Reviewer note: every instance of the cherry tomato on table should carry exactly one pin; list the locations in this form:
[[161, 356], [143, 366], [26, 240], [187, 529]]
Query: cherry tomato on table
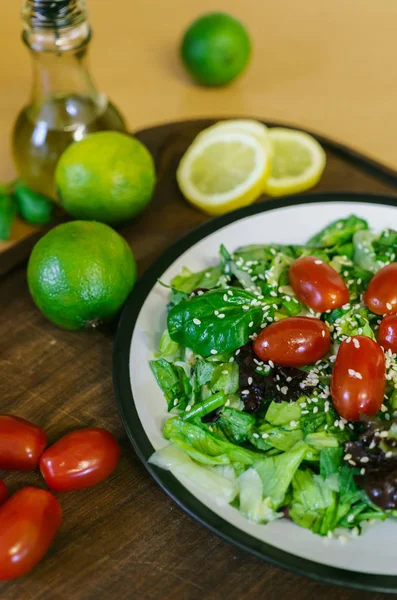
[[381, 294], [3, 492], [293, 342], [29, 521], [358, 378], [387, 334], [317, 284], [80, 460], [21, 444]]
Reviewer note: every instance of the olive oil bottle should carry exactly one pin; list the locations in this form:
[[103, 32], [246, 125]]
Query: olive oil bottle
[[65, 105]]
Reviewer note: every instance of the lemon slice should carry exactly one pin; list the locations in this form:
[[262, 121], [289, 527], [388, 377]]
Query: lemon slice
[[250, 127], [297, 164], [223, 171]]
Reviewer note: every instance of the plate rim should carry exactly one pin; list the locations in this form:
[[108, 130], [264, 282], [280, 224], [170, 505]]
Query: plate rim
[[143, 447]]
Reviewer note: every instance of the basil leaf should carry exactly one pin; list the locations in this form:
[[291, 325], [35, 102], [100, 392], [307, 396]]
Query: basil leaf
[[216, 321]]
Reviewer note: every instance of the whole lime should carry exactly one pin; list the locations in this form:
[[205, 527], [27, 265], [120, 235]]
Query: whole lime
[[80, 274], [107, 177], [215, 49]]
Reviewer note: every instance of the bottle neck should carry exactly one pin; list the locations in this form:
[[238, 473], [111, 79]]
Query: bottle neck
[[58, 34]]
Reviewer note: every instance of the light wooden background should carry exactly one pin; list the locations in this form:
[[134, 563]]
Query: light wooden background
[[329, 65]]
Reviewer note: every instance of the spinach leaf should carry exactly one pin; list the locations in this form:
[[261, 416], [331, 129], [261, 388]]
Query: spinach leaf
[[215, 322], [338, 232], [187, 281]]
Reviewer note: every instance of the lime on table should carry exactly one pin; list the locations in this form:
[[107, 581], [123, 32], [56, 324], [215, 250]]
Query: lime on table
[[107, 177], [223, 171], [215, 49], [298, 162], [80, 274]]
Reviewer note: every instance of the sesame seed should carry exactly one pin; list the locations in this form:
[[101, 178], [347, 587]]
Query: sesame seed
[[358, 281], [345, 273], [245, 392], [263, 325], [389, 306], [318, 262], [336, 423], [230, 292], [383, 408], [356, 343], [364, 459], [323, 333], [213, 351], [208, 274], [176, 401], [351, 462], [245, 307], [231, 359], [350, 518], [225, 297], [251, 324], [274, 294], [255, 435], [250, 380], [383, 434], [265, 435], [305, 412], [237, 352], [271, 364], [293, 424], [200, 293], [351, 425], [348, 340], [221, 316], [225, 372], [315, 409], [196, 321], [389, 454], [347, 457], [188, 408], [341, 425], [284, 390], [362, 471]]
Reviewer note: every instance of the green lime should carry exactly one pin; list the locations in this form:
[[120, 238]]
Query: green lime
[[80, 274], [107, 177], [215, 49]]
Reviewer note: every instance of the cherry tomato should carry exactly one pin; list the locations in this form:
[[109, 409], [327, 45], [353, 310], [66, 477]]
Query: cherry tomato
[[80, 460], [293, 342], [359, 378], [381, 294], [3, 492], [317, 284], [21, 444], [387, 334], [29, 521]]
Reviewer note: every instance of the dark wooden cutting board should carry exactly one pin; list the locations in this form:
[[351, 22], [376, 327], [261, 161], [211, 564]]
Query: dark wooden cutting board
[[126, 539]]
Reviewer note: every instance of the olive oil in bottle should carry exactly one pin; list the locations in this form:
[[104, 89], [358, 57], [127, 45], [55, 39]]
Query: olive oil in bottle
[[65, 105]]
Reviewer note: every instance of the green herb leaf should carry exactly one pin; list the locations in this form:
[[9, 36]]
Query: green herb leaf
[[216, 321]]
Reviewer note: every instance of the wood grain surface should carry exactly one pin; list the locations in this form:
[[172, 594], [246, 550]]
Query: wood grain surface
[[125, 538]]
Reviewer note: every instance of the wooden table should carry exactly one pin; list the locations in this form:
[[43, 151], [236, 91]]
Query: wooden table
[[325, 65]]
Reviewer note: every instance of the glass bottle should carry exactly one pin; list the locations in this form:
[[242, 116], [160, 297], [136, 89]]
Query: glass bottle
[[65, 105]]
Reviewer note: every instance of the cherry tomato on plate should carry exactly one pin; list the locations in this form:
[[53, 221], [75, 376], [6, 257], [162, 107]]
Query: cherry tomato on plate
[[317, 284], [3, 492], [381, 294], [80, 460], [387, 334], [358, 378], [293, 342], [21, 444], [29, 522]]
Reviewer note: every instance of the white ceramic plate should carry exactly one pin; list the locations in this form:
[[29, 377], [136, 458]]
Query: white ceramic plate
[[368, 561]]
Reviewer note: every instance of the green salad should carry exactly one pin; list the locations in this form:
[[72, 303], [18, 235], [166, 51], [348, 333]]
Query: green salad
[[266, 437]]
